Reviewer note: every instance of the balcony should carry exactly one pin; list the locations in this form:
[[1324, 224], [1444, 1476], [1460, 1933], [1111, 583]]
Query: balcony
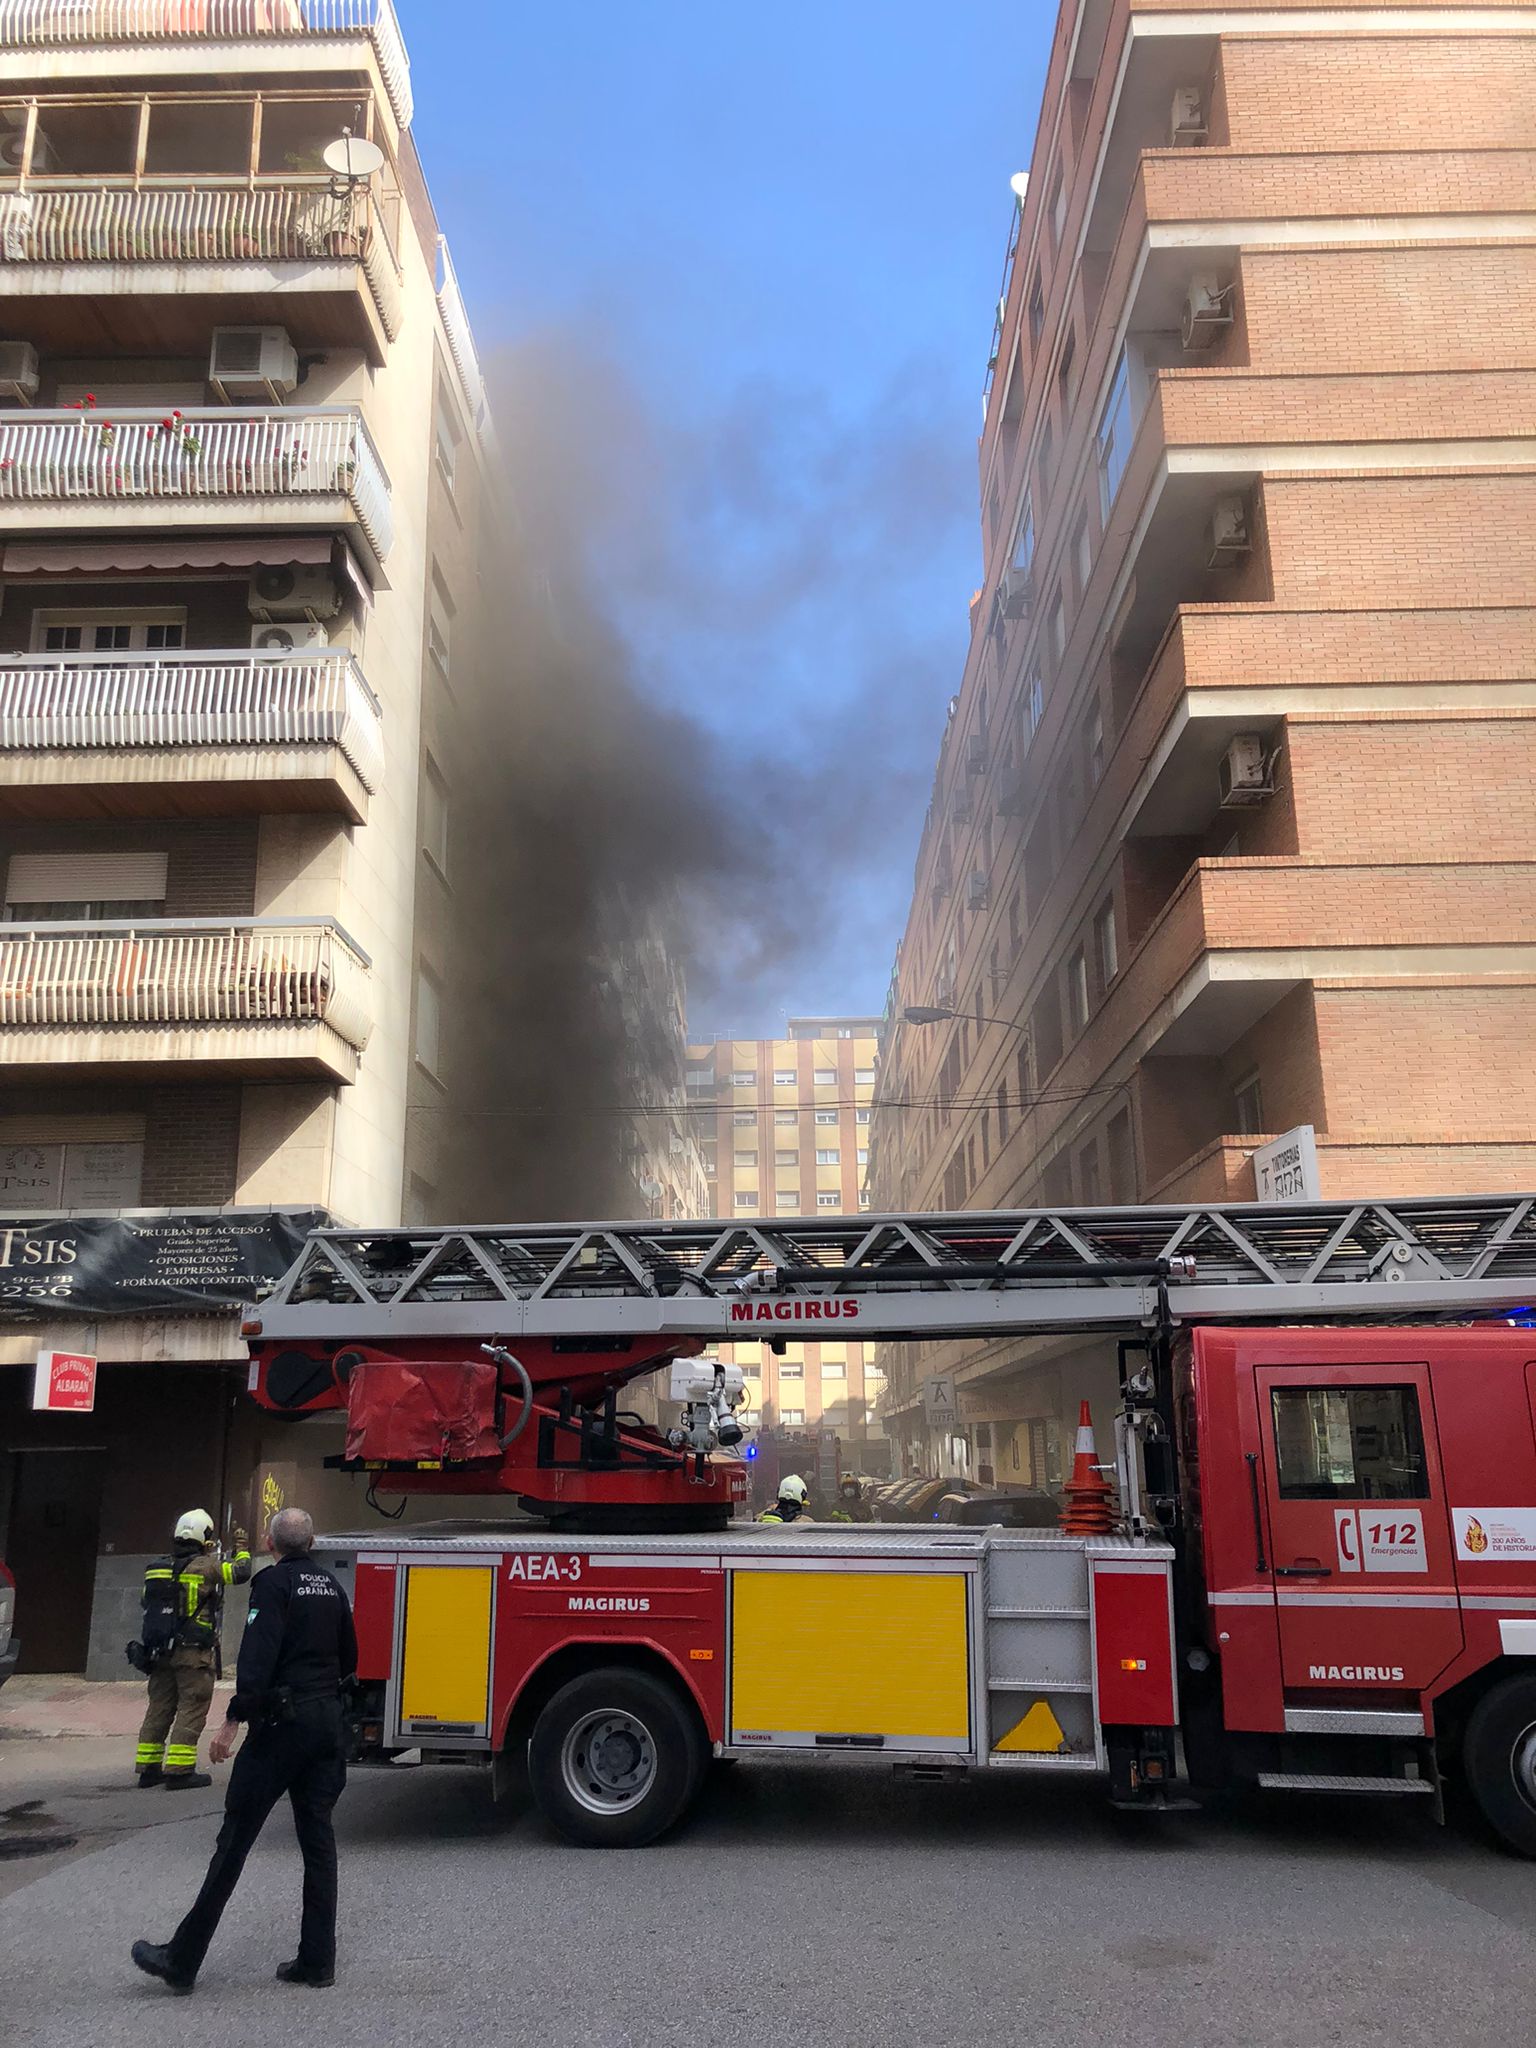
[[177, 36], [173, 241], [68, 471], [179, 735], [250, 997]]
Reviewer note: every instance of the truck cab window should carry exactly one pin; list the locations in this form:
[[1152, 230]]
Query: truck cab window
[[1349, 1443]]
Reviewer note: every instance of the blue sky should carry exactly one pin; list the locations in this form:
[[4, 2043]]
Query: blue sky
[[742, 265]]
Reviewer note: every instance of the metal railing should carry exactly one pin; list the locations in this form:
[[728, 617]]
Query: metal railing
[[210, 698], [292, 222], [30, 23], [225, 452], [170, 971], [461, 341]]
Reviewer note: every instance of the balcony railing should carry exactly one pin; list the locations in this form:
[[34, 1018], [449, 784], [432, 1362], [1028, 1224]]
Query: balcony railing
[[26, 23], [168, 972], [137, 454], [212, 698], [461, 342], [292, 222]]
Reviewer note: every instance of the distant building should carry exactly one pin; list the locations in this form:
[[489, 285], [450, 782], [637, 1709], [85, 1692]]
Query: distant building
[[1232, 824], [784, 1128]]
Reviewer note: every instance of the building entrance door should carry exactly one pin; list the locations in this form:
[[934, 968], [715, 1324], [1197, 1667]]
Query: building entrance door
[[51, 1551]]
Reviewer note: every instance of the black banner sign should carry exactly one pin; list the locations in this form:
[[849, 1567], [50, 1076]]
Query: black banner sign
[[199, 1263]]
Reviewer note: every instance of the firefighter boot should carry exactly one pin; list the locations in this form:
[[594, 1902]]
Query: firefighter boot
[[184, 1781], [150, 1775], [155, 1961], [304, 1973]]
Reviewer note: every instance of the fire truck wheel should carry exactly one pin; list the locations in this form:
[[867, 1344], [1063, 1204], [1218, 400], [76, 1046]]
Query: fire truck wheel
[[1499, 1752], [615, 1758]]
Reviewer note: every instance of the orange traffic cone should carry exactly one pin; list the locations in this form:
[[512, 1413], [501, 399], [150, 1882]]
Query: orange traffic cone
[[1090, 1503]]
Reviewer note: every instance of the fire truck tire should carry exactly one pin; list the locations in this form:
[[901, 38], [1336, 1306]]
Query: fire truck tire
[[616, 1757], [1499, 1754]]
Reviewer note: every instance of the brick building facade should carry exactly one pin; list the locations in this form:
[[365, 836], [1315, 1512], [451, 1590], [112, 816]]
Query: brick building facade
[[1232, 824]]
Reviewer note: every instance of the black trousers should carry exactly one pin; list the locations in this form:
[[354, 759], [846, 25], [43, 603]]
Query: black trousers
[[304, 1758]]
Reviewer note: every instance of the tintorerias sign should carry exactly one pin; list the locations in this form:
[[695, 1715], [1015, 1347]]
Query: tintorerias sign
[[123, 1265]]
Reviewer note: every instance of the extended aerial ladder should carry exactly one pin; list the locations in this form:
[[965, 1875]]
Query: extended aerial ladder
[[490, 1358]]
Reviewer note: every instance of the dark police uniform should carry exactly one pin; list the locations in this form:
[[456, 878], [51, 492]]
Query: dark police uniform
[[298, 1646]]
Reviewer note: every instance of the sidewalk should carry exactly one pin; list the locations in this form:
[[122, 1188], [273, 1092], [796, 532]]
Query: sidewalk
[[42, 1704]]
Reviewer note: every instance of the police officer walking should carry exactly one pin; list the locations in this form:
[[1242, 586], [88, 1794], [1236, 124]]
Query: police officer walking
[[298, 1647], [183, 1604]]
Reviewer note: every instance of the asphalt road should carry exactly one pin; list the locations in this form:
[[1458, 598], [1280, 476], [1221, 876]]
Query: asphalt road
[[802, 1905]]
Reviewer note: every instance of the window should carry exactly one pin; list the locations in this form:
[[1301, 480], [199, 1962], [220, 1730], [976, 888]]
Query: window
[[1044, 459], [831, 1157], [746, 1158], [825, 1077], [864, 1077], [787, 1199], [1066, 372], [1022, 1068], [434, 817], [791, 1369], [1113, 442], [447, 442], [843, 1031], [1082, 555], [1248, 1095], [864, 1198], [1355, 1443], [1057, 630], [1036, 703], [1024, 540], [753, 1368], [789, 1158], [861, 1116], [827, 1201], [1104, 944], [1002, 1113], [826, 1116], [40, 887], [1058, 210], [785, 1118], [439, 627], [429, 1021], [746, 1198], [1093, 747], [1090, 1189], [792, 1415], [1077, 988], [834, 1368], [742, 1118], [743, 1077], [783, 1077], [1036, 311], [97, 632], [863, 1156]]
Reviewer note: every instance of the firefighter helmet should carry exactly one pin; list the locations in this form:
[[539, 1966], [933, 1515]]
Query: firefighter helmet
[[195, 1526], [792, 1487]]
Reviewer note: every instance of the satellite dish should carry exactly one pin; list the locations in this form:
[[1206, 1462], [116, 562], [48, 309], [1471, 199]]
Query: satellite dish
[[1018, 184], [352, 156]]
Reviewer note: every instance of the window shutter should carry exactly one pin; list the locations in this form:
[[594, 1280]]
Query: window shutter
[[86, 878]]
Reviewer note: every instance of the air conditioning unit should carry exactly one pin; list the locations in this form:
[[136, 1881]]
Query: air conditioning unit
[[298, 591], [1186, 123], [1229, 531], [18, 371], [1246, 772], [293, 638], [1207, 310], [13, 147], [941, 885], [976, 753], [978, 891], [1015, 592], [252, 363]]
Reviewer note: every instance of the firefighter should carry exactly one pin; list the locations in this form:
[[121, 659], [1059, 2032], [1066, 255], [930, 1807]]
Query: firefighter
[[793, 1503], [854, 1507], [183, 1610], [298, 1649]]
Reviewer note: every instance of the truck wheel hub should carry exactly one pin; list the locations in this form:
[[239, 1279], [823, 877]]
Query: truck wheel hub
[[608, 1761]]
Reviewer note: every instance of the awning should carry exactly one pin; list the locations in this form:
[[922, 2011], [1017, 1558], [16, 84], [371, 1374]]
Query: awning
[[127, 558]]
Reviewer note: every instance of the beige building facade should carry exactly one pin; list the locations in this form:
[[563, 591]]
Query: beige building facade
[[245, 496], [1232, 825], [784, 1126]]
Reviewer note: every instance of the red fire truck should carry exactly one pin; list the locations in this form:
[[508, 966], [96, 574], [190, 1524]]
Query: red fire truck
[[1319, 1575]]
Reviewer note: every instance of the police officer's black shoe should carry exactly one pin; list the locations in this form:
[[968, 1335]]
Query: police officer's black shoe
[[186, 1781], [304, 1973], [150, 1775], [155, 1961]]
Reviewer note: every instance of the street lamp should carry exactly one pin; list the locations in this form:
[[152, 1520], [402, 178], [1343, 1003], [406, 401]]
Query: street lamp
[[933, 1013]]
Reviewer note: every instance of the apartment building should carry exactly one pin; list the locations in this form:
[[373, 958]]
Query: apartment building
[[244, 496], [1232, 823], [783, 1126]]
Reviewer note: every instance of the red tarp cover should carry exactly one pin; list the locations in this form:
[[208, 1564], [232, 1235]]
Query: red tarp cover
[[397, 1409]]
